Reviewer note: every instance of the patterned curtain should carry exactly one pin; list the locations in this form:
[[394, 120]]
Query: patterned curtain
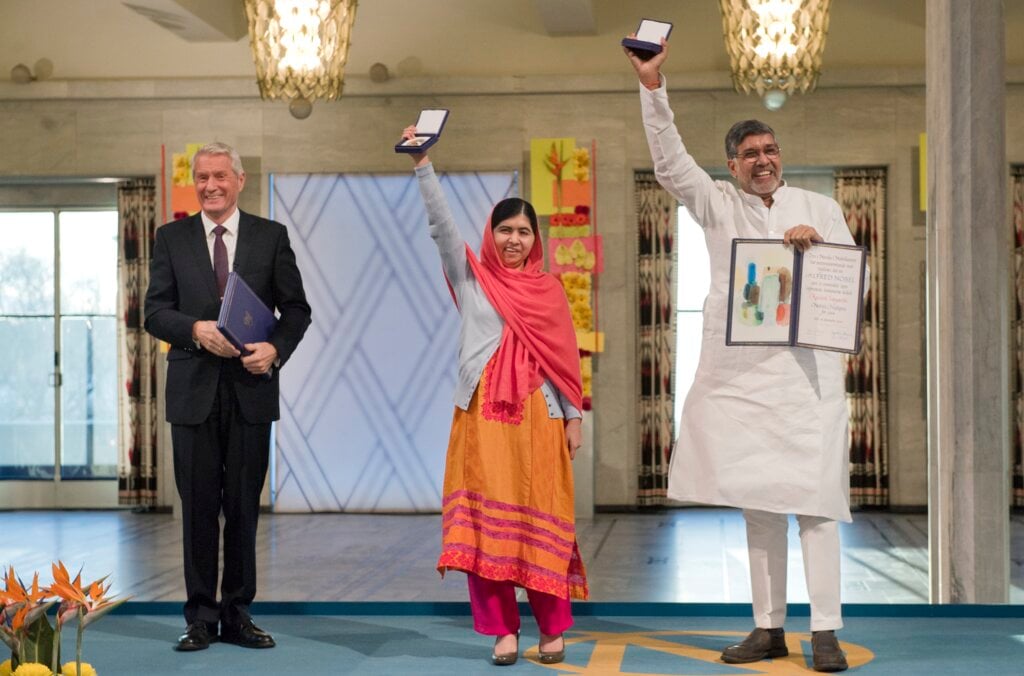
[[1017, 378], [656, 339], [861, 194], [138, 352]]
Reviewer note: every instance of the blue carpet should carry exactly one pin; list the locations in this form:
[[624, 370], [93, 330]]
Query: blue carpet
[[896, 641]]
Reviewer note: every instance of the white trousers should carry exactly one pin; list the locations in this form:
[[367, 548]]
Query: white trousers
[[767, 548]]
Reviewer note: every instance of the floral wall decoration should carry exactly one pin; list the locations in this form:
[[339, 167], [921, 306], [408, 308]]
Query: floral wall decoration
[[562, 188], [183, 193]]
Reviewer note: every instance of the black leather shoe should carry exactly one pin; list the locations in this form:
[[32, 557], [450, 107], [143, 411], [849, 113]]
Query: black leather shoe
[[826, 653], [196, 637], [759, 644], [247, 635]]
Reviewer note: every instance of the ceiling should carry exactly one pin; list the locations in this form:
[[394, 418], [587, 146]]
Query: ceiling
[[108, 39]]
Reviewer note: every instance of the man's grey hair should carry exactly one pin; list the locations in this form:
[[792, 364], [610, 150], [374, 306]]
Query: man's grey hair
[[742, 130], [218, 148]]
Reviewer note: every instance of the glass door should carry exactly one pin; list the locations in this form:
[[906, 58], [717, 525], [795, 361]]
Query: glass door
[[58, 395], [27, 312]]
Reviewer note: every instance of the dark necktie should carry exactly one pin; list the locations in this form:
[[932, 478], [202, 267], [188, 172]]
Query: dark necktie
[[220, 259]]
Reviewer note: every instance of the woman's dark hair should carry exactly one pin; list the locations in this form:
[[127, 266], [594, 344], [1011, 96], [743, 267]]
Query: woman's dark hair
[[513, 206]]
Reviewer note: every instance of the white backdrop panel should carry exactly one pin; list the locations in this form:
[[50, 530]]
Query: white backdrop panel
[[366, 399]]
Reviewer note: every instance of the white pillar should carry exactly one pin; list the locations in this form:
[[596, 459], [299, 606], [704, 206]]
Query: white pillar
[[968, 303], [583, 470]]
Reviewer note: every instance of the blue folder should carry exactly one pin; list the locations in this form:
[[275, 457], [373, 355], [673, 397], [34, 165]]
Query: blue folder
[[243, 316]]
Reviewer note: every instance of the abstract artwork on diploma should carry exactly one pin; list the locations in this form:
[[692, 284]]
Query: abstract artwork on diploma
[[779, 296]]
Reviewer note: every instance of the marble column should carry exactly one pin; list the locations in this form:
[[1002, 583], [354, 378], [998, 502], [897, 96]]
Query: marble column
[[968, 303]]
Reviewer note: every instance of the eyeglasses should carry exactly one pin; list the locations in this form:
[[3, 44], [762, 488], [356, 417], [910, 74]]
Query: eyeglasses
[[771, 152]]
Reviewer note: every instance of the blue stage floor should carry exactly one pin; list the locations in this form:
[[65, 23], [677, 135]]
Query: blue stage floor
[[424, 639]]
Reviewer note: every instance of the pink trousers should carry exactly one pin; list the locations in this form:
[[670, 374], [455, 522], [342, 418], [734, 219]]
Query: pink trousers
[[496, 613]]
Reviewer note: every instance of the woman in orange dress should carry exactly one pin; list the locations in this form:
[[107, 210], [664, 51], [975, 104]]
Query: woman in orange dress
[[508, 514]]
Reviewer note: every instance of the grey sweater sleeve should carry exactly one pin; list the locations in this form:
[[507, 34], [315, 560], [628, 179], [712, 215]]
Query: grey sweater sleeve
[[443, 230]]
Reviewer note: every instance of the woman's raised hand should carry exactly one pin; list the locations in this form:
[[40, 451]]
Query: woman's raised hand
[[418, 159]]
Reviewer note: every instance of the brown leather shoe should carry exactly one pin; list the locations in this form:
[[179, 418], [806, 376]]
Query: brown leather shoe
[[826, 653], [759, 644]]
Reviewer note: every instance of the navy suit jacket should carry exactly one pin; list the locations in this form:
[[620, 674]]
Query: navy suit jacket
[[183, 290]]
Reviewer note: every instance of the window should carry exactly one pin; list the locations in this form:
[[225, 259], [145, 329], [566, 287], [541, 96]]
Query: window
[[693, 278], [58, 299]]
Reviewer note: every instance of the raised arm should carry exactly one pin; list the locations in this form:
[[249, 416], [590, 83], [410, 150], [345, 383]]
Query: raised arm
[[674, 168], [443, 229]]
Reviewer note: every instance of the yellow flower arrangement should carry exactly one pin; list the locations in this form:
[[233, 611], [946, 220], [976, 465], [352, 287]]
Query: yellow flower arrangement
[[578, 289], [69, 670], [578, 297], [569, 231], [581, 164], [563, 256], [582, 317], [5, 668], [32, 669], [587, 373], [576, 255], [181, 169], [576, 281]]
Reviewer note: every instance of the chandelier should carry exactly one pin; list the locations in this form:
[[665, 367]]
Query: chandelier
[[300, 48], [775, 46]]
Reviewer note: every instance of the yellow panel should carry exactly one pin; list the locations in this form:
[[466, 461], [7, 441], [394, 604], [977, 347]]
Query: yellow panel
[[548, 155], [591, 341], [922, 172]]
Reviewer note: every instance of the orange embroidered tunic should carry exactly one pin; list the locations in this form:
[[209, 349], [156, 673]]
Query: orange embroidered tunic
[[508, 511]]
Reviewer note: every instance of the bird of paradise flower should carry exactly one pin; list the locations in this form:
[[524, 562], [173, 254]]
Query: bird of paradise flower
[[20, 609], [555, 162], [84, 603]]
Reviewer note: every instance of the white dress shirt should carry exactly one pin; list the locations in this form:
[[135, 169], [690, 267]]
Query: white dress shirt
[[230, 237]]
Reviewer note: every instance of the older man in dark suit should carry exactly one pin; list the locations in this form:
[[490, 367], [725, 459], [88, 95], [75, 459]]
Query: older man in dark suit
[[220, 403]]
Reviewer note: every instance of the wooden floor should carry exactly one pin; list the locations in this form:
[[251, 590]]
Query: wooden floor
[[686, 555]]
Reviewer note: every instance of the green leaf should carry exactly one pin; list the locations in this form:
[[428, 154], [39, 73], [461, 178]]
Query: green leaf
[[38, 644]]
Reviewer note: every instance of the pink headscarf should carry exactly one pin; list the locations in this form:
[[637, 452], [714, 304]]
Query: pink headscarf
[[539, 340]]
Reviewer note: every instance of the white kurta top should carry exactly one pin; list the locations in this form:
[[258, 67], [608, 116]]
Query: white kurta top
[[762, 427]]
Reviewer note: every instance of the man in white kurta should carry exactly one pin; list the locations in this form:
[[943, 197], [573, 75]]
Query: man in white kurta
[[763, 428]]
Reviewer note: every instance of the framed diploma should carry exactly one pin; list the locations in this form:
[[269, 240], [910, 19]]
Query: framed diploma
[[781, 296], [428, 130], [647, 42]]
